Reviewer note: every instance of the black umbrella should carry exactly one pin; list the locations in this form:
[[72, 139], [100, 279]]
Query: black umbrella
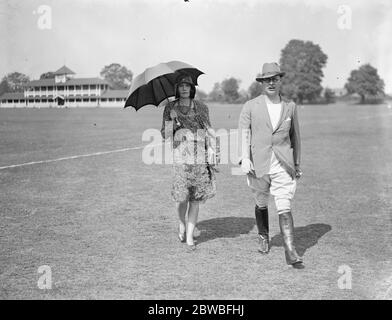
[[156, 84]]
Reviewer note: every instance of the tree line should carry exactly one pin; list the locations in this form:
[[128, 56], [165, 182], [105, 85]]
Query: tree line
[[302, 61]]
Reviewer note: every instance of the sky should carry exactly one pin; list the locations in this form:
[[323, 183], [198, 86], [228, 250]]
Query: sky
[[223, 38]]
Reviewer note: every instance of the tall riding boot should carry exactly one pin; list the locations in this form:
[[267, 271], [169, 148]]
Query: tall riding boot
[[263, 228], [286, 224]]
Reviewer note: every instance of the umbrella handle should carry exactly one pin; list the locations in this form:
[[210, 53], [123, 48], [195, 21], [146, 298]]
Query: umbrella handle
[[173, 116]]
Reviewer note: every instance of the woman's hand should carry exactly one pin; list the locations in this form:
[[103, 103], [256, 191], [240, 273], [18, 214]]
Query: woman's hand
[[211, 132], [173, 114], [174, 117]]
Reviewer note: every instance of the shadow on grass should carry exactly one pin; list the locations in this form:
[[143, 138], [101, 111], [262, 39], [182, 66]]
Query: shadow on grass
[[228, 227], [304, 237], [231, 227]]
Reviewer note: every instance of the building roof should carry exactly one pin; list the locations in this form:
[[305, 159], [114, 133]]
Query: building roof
[[40, 83], [81, 81], [69, 82], [115, 94], [12, 96], [63, 70]]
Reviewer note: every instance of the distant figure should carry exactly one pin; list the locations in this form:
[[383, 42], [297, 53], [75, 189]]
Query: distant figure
[[186, 121], [270, 156]]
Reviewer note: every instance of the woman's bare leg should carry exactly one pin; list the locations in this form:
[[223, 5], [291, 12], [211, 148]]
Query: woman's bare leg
[[193, 213], [181, 208]]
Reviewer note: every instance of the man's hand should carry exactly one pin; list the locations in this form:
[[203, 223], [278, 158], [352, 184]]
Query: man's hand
[[298, 172], [246, 165]]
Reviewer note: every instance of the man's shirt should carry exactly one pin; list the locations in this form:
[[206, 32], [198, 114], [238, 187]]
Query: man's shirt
[[274, 110]]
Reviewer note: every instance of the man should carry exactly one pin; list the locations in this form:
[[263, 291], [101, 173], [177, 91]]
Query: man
[[271, 148]]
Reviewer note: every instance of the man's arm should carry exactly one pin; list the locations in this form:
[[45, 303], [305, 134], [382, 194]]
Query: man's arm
[[244, 126], [295, 138]]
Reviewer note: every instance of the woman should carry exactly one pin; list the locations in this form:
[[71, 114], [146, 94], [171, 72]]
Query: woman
[[187, 122]]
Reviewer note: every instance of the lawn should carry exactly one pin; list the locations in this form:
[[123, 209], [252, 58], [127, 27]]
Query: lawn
[[106, 226]]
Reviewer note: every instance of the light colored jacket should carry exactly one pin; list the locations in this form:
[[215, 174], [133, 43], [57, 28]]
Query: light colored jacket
[[261, 139]]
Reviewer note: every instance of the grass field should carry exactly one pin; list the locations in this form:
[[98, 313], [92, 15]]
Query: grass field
[[106, 226]]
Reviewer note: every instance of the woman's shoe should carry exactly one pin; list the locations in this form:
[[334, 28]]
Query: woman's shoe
[[182, 237], [191, 247]]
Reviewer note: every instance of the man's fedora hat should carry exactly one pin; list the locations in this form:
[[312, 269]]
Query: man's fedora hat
[[270, 70]]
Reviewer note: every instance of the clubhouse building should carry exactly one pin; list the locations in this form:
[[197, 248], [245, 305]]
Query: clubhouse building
[[64, 90]]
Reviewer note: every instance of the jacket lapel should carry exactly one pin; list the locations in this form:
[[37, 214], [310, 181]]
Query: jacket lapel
[[283, 113]]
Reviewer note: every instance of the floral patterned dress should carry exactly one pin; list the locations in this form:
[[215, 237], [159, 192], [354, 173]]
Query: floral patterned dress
[[193, 178]]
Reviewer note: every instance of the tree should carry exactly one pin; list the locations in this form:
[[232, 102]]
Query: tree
[[230, 89], [4, 87], [118, 76], [329, 96], [303, 63], [242, 96], [216, 95], [16, 81], [47, 75], [255, 89], [201, 95], [365, 81]]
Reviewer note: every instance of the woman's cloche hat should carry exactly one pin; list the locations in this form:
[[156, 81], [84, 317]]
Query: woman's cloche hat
[[184, 78]]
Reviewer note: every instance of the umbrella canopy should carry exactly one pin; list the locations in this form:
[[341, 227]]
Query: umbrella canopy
[[156, 84]]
